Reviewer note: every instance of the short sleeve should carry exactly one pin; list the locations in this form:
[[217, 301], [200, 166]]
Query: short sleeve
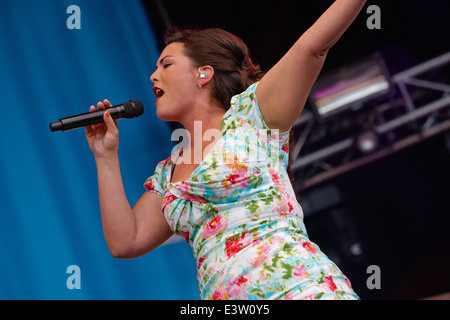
[[244, 119], [245, 106], [157, 183]]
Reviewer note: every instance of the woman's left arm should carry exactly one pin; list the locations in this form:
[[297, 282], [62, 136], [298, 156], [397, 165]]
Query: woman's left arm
[[283, 91]]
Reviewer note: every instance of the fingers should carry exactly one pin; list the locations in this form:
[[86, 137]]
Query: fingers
[[101, 105], [109, 122], [106, 103], [89, 129]]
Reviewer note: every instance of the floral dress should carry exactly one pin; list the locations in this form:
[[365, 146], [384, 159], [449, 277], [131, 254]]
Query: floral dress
[[239, 213]]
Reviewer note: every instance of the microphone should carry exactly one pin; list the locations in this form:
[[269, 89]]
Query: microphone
[[130, 109]]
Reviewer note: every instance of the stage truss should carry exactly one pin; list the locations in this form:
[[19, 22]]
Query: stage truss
[[417, 108]]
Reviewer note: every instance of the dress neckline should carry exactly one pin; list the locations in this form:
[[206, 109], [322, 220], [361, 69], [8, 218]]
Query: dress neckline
[[193, 173]]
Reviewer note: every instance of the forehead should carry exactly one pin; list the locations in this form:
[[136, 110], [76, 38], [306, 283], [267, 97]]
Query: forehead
[[173, 49]]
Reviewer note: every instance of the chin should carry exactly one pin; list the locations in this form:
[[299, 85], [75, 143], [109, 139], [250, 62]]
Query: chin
[[166, 116]]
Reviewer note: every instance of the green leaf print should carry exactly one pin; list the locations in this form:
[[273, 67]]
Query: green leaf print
[[210, 208], [275, 260], [258, 292], [319, 295], [255, 180], [214, 163], [252, 206], [267, 267], [266, 198], [207, 178], [288, 270], [320, 280], [287, 248]]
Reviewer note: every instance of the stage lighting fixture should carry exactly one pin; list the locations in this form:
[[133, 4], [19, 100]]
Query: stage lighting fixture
[[350, 86], [367, 141]]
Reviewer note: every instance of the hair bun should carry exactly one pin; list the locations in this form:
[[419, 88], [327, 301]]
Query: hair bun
[[250, 72]]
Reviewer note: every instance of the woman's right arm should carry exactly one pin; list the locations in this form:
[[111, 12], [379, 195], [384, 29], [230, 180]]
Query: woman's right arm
[[129, 232]]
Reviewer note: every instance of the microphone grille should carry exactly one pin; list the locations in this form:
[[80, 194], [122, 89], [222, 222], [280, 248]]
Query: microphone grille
[[133, 108]]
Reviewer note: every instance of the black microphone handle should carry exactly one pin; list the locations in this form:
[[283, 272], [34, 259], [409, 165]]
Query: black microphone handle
[[87, 119]]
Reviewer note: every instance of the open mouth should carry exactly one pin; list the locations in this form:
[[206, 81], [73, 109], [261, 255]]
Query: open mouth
[[158, 92]]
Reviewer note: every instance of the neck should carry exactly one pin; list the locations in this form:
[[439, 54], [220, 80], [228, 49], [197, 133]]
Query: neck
[[203, 128]]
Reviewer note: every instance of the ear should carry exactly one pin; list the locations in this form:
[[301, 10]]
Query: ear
[[205, 74]]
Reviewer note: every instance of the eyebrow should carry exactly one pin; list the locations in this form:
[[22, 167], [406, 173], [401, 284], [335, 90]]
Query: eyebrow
[[162, 60]]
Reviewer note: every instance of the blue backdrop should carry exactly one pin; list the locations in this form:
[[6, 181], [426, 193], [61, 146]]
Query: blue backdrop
[[49, 217]]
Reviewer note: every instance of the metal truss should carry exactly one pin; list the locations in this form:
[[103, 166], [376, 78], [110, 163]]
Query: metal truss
[[417, 108]]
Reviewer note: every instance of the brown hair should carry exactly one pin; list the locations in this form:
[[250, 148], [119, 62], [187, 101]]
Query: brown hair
[[234, 70]]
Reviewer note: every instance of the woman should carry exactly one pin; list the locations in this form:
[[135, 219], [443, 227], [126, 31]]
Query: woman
[[234, 203]]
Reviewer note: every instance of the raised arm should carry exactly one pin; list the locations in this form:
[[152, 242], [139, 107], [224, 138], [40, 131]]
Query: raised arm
[[283, 91]]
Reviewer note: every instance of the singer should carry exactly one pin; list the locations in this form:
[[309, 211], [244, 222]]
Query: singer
[[238, 211]]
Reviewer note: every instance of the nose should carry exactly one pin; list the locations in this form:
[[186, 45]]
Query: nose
[[153, 77]]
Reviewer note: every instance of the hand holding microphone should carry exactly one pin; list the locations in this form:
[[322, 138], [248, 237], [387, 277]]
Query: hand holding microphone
[[129, 109], [101, 124]]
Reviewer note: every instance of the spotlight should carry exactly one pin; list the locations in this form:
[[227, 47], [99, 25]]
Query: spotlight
[[367, 141], [350, 86]]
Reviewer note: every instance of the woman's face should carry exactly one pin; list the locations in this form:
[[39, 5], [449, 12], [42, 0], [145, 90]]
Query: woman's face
[[175, 83]]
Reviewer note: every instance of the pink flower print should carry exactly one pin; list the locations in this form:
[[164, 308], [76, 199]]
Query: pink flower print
[[347, 282], [237, 178], [241, 281], [167, 161], [234, 245], [184, 186], [290, 206], [200, 261], [230, 180], [237, 175], [235, 289], [285, 148], [220, 293], [329, 283], [300, 273], [276, 179], [185, 235], [149, 185], [214, 226], [284, 206], [191, 197], [309, 247], [289, 296], [282, 209], [276, 239], [168, 198]]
